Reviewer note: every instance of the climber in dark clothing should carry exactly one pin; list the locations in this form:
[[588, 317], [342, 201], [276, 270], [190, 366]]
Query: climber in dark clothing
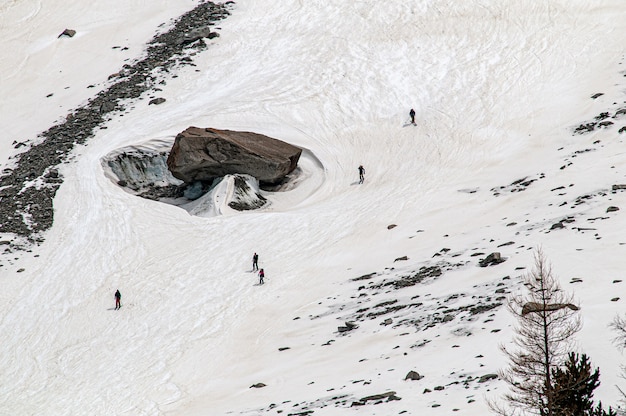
[[255, 262], [261, 276], [412, 114], [361, 174], [118, 299]]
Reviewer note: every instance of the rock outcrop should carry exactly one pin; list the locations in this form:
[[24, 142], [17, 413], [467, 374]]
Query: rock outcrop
[[202, 154]]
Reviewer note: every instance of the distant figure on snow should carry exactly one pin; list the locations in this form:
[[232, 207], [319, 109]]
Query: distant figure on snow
[[261, 276], [118, 300], [255, 262], [412, 114], [361, 174]]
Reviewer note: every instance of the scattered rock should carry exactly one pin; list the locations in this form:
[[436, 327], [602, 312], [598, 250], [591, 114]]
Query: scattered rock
[[403, 258], [557, 226], [487, 377], [349, 326], [612, 300], [596, 95], [413, 375], [378, 398], [491, 260], [257, 385], [67, 32], [612, 209], [618, 187], [156, 101], [391, 226]]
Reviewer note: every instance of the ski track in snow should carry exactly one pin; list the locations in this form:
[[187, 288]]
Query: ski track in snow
[[496, 87]]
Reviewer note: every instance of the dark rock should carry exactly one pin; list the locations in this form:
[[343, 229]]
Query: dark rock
[[391, 226], [487, 377], [413, 375], [557, 226], [491, 260], [257, 385], [378, 398], [403, 258], [612, 209], [204, 154], [106, 107], [157, 101], [349, 326], [622, 130], [618, 187], [594, 96], [67, 32], [194, 35]]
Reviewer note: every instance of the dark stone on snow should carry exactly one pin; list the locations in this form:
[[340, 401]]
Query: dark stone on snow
[[413, 375], [156, 101], [258, 385], [612, 209], [487, 377], [491, 260], [349, 326], [377, 398], [67, 32]]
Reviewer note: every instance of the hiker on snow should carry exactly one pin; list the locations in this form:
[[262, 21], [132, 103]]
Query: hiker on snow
[[118, 300], [361, 174], [412, 114], [255, 262], [261, 276]]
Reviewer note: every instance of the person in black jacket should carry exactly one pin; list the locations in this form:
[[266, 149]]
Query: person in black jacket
[[118, 300], [412, 114], [255, 262], [261, 276], [361, 174]]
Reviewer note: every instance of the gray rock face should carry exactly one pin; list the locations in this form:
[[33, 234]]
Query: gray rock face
[[202, 154]]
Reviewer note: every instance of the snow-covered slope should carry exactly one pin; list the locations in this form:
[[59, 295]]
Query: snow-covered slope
[[492, 165]]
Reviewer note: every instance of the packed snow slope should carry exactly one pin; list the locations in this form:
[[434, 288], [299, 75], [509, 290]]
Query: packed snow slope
[[498, 88]]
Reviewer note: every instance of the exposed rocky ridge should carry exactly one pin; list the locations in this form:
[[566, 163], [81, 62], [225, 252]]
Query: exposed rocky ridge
[[27, 191]]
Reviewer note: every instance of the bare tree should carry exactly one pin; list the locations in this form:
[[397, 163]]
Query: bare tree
[[547, 320], [619, 326]]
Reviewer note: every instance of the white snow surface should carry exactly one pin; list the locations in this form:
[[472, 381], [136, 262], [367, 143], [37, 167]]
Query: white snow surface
[[498, 88]]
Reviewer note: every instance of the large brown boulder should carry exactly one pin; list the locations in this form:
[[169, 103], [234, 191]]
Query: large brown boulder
[[204, 154]]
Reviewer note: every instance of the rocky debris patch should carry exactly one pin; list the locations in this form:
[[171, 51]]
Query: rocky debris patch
[[202, 154], [516, 186], [26, 194], [377, 399]]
